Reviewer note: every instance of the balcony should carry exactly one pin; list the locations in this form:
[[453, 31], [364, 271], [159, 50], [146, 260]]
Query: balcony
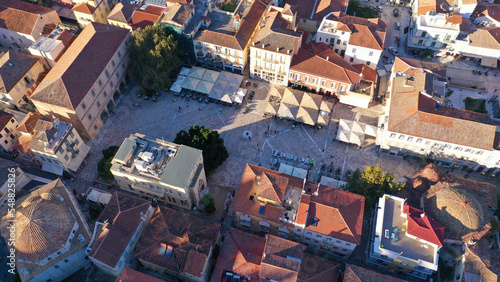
[[269, 60]]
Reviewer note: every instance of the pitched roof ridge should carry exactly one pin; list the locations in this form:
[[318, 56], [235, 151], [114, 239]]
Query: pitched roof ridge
[[167, 231]]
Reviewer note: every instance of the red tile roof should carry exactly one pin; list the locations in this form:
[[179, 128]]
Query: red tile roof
[[192, 238], [317, 9], [455, 18], [368, 73], [27, 125], [5, 118], [84, 8], [131, 275], [123, 216], [354, 273], [13, 68], [122, 12], [63, 85], [485, 9], [241, 253], [413, 66], [319, 60], [369, 33], [315, 268], [416, 114], [277, 264], [338, 214], [20, 16], [423, 227], [22, 144], [146, 17], [241, 39]]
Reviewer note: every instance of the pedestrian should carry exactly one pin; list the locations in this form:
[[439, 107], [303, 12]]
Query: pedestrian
[[139, 106], [331, 163], [495, 91], [268, 128], [187, 105], [323, 150]]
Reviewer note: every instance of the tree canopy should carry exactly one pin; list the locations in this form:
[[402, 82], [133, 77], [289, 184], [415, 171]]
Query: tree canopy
[[372, 183], [104, 165], [45, 3], [154, 54], [207, 140], [354, 8]]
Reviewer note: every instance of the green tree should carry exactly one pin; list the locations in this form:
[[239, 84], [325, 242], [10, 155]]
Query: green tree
[[45, 3], [209, 203], [207, 140], [372, 183], [104, 165], [427, 53], [154, 54]]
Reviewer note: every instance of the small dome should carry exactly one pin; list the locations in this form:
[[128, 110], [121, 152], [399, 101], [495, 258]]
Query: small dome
[[44, 220], [458, 209]]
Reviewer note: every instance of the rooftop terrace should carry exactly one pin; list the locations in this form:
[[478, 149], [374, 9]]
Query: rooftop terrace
[[228, 23], [390, 218]]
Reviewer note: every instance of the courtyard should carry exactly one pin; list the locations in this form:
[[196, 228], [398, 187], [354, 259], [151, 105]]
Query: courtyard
[[303, 146]]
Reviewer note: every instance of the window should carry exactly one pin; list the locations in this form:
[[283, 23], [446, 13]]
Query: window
[[371, 54], [342, 88], [66, 158], [338, 241], [112, 63], [117, 75], [100, 82], [90, 117], [419, 140], [338, 42], [291, 75], [314, 80], [348, 244], [351, 59], [328, 240], [401, 137], [393, 135], [11, 121], [467, 150], [4, 36], [318, 236], [180, 194], [12, 137], [436, 37], [98, 104], [447, 38], [123, 66], [345, 42], [56, 266], [111, 83], [71, 134], [368, 63], [323, 83], [306, 79], [404, 263], [105, 94], [297, 77], [6, 130], [424, 33], [333, 85], [66, 260], [308, 233], [93, 93], [125, 254], [353, 50], [107, 73], [6, 141], [119, 54], [410, 139], [320, 39]]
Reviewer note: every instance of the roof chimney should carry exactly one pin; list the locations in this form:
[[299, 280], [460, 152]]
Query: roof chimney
[[316, 193], [263, 45], [422, 215], [327, 58], [277, 49]]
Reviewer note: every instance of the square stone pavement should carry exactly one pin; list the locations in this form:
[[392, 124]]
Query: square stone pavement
[[164, 120]]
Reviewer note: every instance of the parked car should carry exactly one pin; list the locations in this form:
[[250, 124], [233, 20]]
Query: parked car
[[394, 51], [395, 13], [398, 25], [379, 8]]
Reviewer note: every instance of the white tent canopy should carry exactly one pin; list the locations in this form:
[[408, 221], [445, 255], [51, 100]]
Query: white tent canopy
[[177, 85], [196, 72], [354, 132], [185, 71]]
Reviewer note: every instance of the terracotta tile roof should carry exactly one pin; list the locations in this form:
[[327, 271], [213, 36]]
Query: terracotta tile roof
[[146, 17], [466, 214], [178, 13], [317, 9], [191, 236], [241, 253], [131, 275], [369, 33], [22, 144], [5, 118], [485, 37], [354, 273], [273, 186], [368, 73], [241, 39], [485, 9], [277, 264], [63, 86], [84, 8], [337, 214], [422, 226], [13, 67], [454, 18], [122, 12], [45, 223], [319, 60], [123, 216], [27, 125], [486, 191], [315, 268], [276, 34], [417, 115], [20, 16]]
